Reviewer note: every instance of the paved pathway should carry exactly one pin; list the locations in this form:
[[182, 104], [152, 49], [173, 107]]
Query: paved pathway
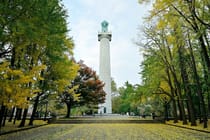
[[107, 132]]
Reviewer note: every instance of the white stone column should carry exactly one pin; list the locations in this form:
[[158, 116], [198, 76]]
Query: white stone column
[[104, 67]]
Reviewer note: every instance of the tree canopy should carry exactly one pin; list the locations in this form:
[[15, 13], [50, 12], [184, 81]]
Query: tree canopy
[[35, 52], [176, 57], [87, 90]]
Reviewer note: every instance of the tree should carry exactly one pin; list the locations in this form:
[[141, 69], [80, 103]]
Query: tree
[[86, 89], [14, 86], [35, 52], [61, 69], [173, 21], [113, 85], [129, 99]]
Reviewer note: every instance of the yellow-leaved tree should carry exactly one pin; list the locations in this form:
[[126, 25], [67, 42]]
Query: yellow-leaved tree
[[16, 86], [180, 30]]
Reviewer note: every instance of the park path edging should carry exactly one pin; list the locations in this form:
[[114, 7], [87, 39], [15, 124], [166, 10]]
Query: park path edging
[[205, 131]]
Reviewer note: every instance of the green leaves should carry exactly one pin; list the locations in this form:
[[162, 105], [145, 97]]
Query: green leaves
[[35, 49], [177, 31], [129, 98]]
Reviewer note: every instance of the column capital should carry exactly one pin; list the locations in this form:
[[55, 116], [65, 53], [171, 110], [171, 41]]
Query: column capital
[[107, 35]]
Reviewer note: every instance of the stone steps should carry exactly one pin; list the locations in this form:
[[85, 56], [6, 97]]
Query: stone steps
[[92, 121]]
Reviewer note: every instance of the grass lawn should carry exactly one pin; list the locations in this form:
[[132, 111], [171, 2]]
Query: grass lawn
[[12, 127], [107, 132]]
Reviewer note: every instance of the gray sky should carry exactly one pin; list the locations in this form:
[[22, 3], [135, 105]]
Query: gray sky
[[124, 17]]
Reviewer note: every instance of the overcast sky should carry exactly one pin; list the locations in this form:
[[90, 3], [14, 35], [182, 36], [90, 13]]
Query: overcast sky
[[124, 17]]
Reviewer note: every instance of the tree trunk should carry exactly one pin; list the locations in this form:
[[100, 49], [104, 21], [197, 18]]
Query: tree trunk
[[5, 117], [208, 103], [180, 111], [177, 89], [197, 79], [166, 111], [175, 111], [206, 57], [188, 111], [22, 123], [45, 114], [68, 110], [16, 115], [3, 108], [12, 114], [204, 54], [180, 101], [190, 103], [19, 114], [185, 80], [173, 96], [199, 111], [34, 110], [184, 119]]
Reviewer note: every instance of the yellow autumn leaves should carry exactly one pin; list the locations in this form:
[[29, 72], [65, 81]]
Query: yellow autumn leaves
[[109, 132], [17, 85]]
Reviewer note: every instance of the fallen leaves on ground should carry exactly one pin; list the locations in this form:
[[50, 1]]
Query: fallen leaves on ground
[[107, 132]]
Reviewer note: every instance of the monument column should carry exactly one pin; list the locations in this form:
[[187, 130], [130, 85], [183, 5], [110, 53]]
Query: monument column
[[104, 67]]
